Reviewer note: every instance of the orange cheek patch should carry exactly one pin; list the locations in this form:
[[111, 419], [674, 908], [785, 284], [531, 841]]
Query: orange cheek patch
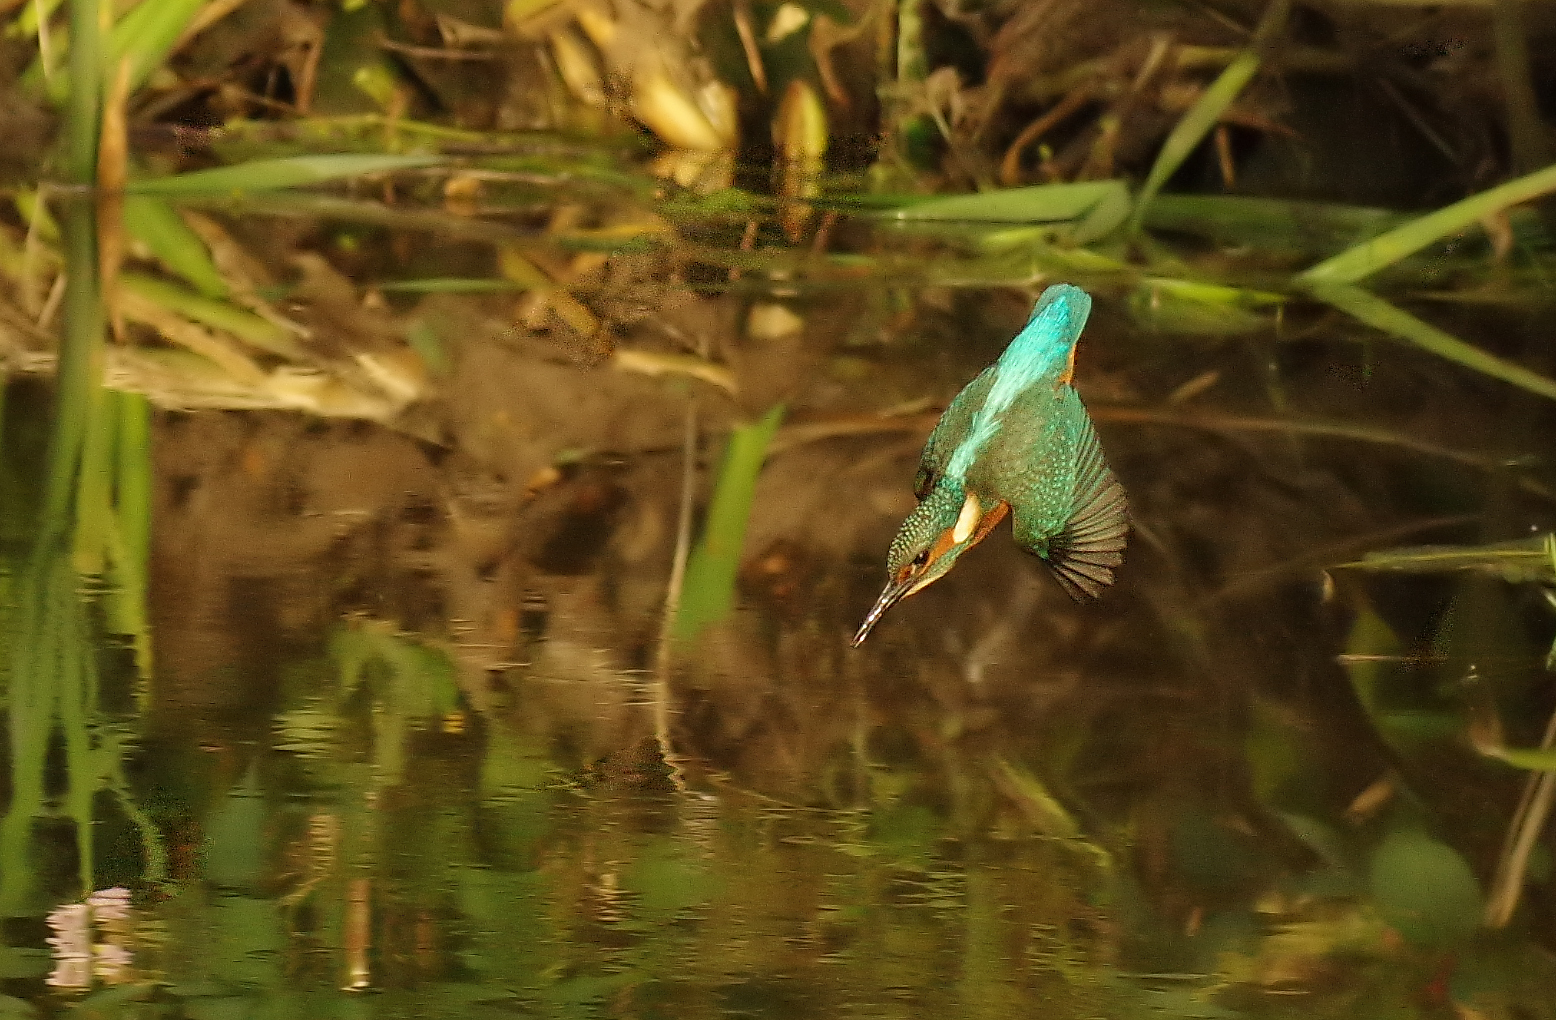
[[996, 514], [942, 545], [947, 538]]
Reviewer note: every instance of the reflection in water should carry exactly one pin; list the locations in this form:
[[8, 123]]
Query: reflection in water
[[380, 713]]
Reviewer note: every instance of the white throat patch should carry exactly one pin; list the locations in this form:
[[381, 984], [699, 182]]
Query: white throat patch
[[972, 513]]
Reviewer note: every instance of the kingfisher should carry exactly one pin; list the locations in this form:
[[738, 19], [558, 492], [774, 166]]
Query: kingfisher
[[1017, 440]]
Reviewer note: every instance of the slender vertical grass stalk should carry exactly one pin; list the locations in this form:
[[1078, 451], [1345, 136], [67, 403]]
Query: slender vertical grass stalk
[[1194, 125], [86, 92], [81, 349], [683, 544], [80, 364], [358, 934], [1534, 807]]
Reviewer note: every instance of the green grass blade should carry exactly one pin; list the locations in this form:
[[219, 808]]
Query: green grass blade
[[1382, 315], [1193, 126], [1386, 249], [1530, 760], [85, 102], [1517, 562], [451, 285], [1270, 223], [148, 33], [157, 225], [1206, 309], [25, 24], [252, 329], [1041, 203], [275, 174], [709, 590], [1108, 214]]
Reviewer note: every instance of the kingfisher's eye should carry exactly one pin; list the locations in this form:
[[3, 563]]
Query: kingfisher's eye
[[922, 483], [921, 559]]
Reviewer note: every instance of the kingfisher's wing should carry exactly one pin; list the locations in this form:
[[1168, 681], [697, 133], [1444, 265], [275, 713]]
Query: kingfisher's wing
[[1066, 504], [950, 431], [1090, 545]]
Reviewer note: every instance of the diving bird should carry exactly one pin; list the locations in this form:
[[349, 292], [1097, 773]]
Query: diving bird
[[1016, 440]]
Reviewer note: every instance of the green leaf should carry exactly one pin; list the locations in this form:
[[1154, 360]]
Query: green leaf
[[1425, 890], [273, 174], [1382, 315], [1338, 874], [1386, 249], [709, 590], [156, 224]]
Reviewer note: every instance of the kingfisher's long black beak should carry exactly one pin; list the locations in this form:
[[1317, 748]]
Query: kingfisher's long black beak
[[893, 593]]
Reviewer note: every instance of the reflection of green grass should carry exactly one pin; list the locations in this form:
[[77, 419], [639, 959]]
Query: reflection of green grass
[[406, 682], [709, 591], [52, 688], [96, 521]]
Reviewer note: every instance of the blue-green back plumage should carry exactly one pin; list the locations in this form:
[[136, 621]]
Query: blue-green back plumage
[[1039, 355]]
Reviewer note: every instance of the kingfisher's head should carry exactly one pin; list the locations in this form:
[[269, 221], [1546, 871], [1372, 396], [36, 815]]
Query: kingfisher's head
[[948, 521]]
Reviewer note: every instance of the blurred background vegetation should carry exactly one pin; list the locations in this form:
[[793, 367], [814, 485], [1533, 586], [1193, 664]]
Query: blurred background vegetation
[[446, 446]]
